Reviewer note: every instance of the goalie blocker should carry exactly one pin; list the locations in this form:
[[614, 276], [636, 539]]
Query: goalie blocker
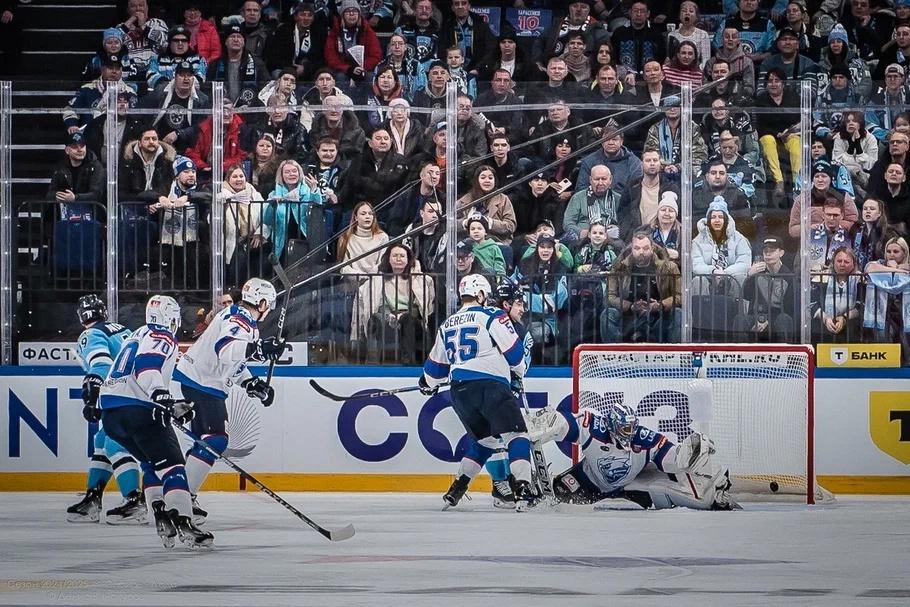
[[624, 460]]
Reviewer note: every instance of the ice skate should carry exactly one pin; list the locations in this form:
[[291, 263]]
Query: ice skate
[[525, 497], [190, 535], [199, 515], [456, 491], [88, 510], [131, 512], [164, 525], [502, 495]]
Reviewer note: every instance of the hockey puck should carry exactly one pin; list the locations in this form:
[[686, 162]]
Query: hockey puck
[[774, 486]]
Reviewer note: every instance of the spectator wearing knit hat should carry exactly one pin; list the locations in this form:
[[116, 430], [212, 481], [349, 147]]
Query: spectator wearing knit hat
[[163, 67], [719, 249], [300, 44], [665, 227], [89, 101], [837, 97], [111, 44], [486, 250], [181, 107], [350, 30], [242, 73], [839, 51]]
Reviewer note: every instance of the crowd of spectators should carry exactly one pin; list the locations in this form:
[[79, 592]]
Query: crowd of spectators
[[597, 236]]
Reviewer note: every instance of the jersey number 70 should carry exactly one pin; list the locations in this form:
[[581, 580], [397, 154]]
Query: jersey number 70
[[466, 347]]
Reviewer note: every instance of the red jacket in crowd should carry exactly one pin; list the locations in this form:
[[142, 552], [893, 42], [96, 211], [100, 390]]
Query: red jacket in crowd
[[202, 150], [207, 41], [339, 61]]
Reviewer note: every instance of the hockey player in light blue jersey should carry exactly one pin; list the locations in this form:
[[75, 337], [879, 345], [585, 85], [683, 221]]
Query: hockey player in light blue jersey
[[478, 350], [96, 348], [137, 409], [216, 361], [622, 459]]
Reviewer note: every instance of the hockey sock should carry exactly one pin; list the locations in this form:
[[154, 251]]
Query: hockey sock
[[520, 457], [176, 490], [151, 484], [125, 467], [498, 465], [99, 470], [199, 461], [475, 456], [574, 431]]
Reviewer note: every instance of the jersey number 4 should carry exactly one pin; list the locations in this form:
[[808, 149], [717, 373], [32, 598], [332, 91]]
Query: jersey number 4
[[461, 344]]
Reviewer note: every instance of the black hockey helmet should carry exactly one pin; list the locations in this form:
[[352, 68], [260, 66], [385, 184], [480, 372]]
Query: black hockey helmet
[[507, 290], [91, 309]]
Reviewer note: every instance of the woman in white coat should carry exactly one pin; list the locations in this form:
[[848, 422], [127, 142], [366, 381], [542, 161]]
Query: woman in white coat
[[720, 250], [245, 235]]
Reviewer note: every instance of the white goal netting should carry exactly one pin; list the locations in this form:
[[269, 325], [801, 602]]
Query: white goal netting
[[755, 402]]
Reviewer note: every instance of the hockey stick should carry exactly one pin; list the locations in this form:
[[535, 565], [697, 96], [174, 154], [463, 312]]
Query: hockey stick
[[285, 281], [336, 535], [378, 394], [541, 470]]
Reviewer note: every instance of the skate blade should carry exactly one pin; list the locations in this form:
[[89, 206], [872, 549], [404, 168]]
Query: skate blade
[[80, 518], [131, 520], [503, 505], [168, 542], [199, 521], [193, 545]]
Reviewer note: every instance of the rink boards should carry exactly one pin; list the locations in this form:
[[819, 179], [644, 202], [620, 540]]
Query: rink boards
[[407, 442]]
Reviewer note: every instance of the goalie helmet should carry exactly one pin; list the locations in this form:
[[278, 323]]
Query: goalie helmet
[[622, 424], [164, 311], [257, 289], [476, 286], [91, 309]]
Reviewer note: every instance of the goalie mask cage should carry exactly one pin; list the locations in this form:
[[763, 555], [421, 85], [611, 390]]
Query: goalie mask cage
[[754, 401]]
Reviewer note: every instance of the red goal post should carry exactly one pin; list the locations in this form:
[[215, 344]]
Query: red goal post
[[755, 401]]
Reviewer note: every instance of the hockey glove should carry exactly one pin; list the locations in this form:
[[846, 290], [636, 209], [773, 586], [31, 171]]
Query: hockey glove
[[256, 388], [163, 407], [517, 385], [91, 413], [91, 388], [269, 349], [425, 388], [183, 411]]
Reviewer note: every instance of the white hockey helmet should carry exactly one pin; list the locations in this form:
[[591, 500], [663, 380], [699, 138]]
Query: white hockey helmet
[[476, 286], [257, 289], [622, 423], [164, 311]]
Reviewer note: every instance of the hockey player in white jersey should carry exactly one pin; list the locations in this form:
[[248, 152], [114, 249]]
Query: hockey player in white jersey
[[137, 409], [216, 361], [96, 349], [622, 459], [478, 350]]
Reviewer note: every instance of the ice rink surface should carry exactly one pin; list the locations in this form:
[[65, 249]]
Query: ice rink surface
[[408, 553]]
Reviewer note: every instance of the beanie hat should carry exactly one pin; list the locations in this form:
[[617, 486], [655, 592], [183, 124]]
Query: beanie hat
[[668, 199], [182, 163], [838, 33], [823, 166], [718, 204], [112, 32], [479, 219], [348, 4]]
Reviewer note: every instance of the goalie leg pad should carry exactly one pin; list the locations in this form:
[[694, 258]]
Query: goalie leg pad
[[694, 453]]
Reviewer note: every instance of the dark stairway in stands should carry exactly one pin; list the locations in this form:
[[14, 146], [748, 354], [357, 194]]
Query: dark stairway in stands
[[58, 38]]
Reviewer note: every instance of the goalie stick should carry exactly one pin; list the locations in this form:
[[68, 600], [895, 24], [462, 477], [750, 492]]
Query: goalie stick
[[378, 394], [540, 472], [335, 535], [286, 282]]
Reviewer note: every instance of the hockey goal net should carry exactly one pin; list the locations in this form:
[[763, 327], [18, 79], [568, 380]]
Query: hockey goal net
[[755, 402]]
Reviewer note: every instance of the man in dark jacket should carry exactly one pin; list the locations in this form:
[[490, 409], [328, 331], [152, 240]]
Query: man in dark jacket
[[291, 139], [300, 44], [146, 169], [341, 125], [715, 183], [243, 73], [376, 173], [469, 31], [181, 107], [78, 181]]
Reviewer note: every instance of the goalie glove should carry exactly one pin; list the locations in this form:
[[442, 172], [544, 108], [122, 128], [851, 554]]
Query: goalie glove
[[91, 388], [695, 452], [256, 388], [425, 388], [545, 425]]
